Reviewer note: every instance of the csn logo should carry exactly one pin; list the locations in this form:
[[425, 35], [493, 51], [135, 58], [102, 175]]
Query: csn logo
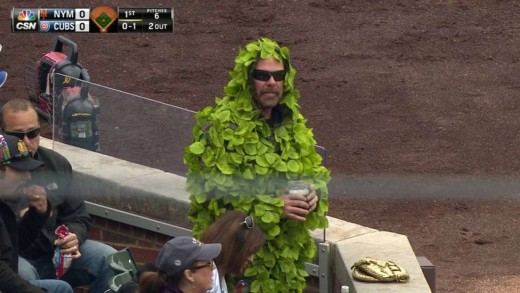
[[26, 20], [26, 26]]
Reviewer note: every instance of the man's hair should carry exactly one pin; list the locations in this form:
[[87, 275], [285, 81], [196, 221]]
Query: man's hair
[[15, 105]]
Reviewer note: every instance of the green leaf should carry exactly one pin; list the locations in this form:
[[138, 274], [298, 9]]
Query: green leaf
[[281, 166], [236, 158], [250, 271], [208, 158], [224, 116], [252, 47], [227, 134], [261, 161], [267, 217], [274, 231], [269, 199], [293, 166], [261, 170], [220, 179], [286, 267], [200, 198], [293, 154], [196, 148], [271, 158], [224, 168], [252, 138], [280, 131], [260, 209], [216, 139], [238, 141], [242, 129], [262, 149], [302, 272], [250, 149], [255, 287], [248, 174], [285, 53], [265, 55]]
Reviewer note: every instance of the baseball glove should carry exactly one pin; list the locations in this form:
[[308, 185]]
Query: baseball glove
[[373, 270]]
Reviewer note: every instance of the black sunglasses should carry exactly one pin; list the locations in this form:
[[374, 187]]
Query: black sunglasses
[[32, 133], [249, 222], [210, 264], [265, 75]]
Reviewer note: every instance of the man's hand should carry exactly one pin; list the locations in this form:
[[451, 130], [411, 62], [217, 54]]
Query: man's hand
[[312, 199], [69, 244], [296, 207], [37, 196]]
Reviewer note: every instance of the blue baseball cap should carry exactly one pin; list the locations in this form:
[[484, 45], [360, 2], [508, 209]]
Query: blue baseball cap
[[183, 252]]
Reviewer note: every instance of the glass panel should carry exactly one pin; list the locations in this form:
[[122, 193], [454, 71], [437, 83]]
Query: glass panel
[[129, 127]]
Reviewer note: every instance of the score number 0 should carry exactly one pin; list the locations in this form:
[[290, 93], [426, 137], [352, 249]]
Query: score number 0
[[82, 16]]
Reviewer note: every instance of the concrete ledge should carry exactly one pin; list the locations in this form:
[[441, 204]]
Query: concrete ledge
[[126, 186], [385, 246], [161, 196]]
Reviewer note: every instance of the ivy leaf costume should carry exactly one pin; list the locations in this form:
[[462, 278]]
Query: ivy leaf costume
[[239, 161]]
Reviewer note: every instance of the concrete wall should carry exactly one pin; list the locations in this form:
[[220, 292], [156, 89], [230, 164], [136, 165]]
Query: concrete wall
[[158, 195]]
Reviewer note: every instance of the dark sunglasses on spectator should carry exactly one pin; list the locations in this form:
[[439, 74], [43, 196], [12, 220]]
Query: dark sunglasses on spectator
[[32, 133], [249, 222], [210, 264], [265, 75]]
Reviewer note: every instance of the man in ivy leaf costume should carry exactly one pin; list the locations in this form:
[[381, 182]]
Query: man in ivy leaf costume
[[245, 151]]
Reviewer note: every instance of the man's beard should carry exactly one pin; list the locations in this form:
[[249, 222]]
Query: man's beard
[[268, 99]]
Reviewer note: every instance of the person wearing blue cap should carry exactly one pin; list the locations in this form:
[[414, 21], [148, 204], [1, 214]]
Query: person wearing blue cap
[[15, 166], [184, 265]]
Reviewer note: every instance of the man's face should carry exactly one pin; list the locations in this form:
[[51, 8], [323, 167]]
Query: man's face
[[268, 93], [23, 121], [11, 182]]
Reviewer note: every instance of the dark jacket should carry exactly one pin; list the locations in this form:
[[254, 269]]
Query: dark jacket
[[67, 207], [10, 281]]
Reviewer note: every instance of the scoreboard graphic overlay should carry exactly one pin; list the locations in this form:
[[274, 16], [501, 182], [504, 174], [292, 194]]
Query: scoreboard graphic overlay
[[101, 19]]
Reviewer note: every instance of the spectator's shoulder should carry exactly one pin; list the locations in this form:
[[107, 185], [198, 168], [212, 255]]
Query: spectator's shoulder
[[48, 153], [49, 156]]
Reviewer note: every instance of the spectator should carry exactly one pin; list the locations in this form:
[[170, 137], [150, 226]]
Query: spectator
[[184, 266], [15, 164], [240, 240], [245, 150], [19, 118]]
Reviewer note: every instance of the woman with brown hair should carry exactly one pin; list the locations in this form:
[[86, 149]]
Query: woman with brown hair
[[184, 265], [240, 240]]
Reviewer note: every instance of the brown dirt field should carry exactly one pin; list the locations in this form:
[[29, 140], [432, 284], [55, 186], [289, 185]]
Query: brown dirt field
[[391, 88]]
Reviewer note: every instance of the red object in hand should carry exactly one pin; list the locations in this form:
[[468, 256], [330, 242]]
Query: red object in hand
[[62, 231], [61, 261]]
